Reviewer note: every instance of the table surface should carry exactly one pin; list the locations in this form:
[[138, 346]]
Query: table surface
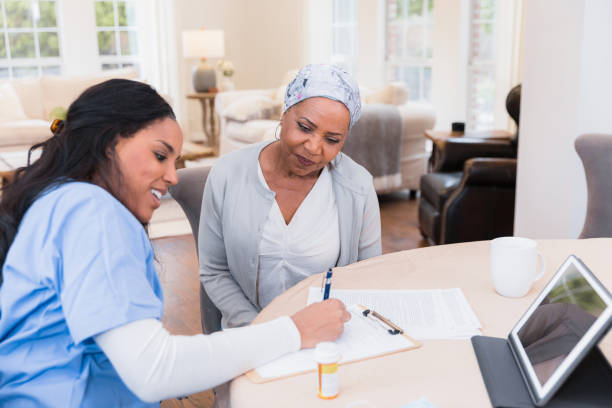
[[444, 371], [202, 95], [435, 135]]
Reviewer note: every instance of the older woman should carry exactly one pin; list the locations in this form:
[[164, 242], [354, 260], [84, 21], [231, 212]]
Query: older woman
[[278, 211]]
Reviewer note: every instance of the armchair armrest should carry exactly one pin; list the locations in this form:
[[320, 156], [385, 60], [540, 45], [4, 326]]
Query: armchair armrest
[[500, 172], [482, 207], [451, 154]]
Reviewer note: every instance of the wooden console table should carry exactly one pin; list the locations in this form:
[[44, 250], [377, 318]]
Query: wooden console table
[[193, 151], [441, 135], [210, 120], [439, 138]]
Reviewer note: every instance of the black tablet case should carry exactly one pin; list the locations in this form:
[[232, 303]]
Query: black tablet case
[[590, 385]]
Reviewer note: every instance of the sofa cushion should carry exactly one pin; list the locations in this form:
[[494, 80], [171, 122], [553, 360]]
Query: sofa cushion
[[252, 107], [10, 105], [251, 132], [394, 93], [61, 91], [24, 132], [30, 95]]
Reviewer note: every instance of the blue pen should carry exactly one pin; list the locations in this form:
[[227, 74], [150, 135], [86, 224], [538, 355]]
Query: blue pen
[[328, 278]]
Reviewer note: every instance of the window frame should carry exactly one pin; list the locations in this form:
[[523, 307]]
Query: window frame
[[399, 59], [347, 61], [118, 59], [475, 64], [38, 62]]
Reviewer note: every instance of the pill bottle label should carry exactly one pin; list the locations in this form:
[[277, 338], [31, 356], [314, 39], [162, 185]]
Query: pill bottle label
[[328, 381]]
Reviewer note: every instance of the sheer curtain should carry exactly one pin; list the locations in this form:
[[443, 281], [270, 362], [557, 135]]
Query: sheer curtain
[[156, 23]]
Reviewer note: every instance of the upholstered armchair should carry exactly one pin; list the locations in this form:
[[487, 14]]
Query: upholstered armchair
[[469, 193]]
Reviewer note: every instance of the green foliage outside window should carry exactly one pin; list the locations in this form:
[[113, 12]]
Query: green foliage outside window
[[106, 43], [105, 15], [18, 13], [487, 9], [18, 24], [47, 14], [22, 45], [49, 44], [413, 7]]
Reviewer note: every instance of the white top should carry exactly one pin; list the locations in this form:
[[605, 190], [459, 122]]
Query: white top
[[156, 365], [309, 244]]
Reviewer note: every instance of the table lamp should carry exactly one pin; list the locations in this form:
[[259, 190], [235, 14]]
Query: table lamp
[[203, 44]]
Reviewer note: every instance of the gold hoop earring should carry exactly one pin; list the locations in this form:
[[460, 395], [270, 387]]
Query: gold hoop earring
[[277, 132]]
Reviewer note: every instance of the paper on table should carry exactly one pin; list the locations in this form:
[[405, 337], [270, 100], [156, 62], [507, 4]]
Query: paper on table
[[422, 314], [362, 338]]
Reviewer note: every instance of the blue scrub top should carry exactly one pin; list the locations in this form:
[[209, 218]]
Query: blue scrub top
[[81, 264]]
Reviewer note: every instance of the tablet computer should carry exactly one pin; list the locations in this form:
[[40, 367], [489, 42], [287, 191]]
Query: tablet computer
[[565, 321]]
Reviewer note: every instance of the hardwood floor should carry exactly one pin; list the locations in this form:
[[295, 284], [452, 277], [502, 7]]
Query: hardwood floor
[[179, 273]]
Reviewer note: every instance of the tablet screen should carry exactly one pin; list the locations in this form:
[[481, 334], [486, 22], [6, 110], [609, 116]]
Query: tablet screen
[[560, 328], [559, 321]]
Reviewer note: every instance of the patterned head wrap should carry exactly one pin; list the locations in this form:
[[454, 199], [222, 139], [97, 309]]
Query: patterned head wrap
[[328, 81]]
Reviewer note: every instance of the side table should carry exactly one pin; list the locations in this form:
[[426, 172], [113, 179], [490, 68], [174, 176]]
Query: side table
[[210, 121], [439, 138], [193, 151]]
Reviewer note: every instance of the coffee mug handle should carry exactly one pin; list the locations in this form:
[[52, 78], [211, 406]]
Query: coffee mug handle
[[542, 266]]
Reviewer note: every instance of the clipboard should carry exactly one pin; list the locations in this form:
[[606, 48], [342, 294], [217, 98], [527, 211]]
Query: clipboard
[[365, 339]]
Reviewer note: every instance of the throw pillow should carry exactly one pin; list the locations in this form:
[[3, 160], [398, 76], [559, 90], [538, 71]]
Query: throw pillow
[[10, 105], [252, 107]]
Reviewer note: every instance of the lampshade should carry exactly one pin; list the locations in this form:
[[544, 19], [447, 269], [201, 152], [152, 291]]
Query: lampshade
[[203, 44]]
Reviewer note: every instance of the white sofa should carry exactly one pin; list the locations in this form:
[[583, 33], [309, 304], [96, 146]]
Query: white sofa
[[250, 116], [26, 103]]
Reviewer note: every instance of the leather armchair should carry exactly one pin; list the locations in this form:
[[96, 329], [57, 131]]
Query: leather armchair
[[469, 193]]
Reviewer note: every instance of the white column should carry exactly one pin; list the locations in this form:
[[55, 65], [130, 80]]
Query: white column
[[566, 92], [450, 59], [78, 39], [318, 36], [371, 43]]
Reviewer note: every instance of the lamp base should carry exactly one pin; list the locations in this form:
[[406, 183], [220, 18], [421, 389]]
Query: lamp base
[[204, 77]]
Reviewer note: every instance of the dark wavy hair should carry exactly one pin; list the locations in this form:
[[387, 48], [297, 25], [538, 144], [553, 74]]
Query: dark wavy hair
[[82, 147]]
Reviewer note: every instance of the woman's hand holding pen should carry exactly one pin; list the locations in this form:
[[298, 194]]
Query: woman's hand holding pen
[[322, 321]]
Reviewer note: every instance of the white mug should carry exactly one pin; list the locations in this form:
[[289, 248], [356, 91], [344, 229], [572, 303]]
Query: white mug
[[514, 265]]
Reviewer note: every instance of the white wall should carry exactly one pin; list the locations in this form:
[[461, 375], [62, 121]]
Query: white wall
[[566, 88], [264, 39], [450, 57]]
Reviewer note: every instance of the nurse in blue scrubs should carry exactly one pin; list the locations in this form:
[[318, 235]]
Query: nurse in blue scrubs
[[80, 300]]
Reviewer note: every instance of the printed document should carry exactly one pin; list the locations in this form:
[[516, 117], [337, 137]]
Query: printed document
[[422, 314]]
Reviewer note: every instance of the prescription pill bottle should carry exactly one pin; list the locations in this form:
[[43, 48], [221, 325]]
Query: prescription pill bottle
[[327, 356]]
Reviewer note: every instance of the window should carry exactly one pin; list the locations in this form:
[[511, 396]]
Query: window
[[481, 68], [409, 47], [344, 30], [117, 34], [30, 43]]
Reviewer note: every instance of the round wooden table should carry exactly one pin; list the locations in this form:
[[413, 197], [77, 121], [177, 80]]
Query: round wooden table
[[444, 371]]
